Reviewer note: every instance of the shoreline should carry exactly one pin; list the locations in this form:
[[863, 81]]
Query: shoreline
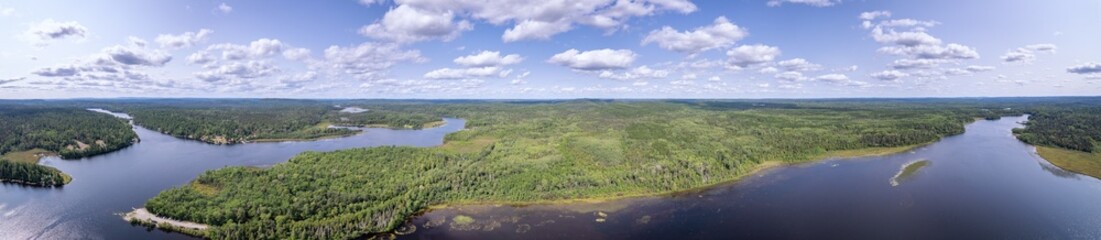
[[761, 168], [1085, 164], [142, 216]]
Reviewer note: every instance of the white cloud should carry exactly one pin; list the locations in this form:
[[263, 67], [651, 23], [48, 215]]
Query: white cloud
[[768, 70], [488, 59], [406, 24], [721, 33], [135, 56], [816, 3], [534, 30], [916, 63], [261, 48], [240, 70], [746, 55], [224, 8], [868, 16], [600, 59], [799, 64], [297, 54], [201, 57], [790, 76], [889, 75], [540, 19], [450, 73], [6, 11], [1027, 54], [976, 68], [641, 72], [184, 40], [371, 2], [41, 33], [1086, 68], [368, 60], [833, 77]]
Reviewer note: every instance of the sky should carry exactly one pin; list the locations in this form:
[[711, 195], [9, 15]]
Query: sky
[[537, 49]]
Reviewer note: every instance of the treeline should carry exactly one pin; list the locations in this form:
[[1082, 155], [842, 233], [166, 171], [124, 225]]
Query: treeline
[[31, 174], [1070, 128], [69, 132], [227, 122], [532, 152]]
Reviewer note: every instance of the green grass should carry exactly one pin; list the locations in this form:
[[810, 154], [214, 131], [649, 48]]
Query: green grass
[[909, 170], [28, 156], [1074, 161]]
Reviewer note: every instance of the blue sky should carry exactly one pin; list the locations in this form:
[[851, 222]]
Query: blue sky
[[549, 48]]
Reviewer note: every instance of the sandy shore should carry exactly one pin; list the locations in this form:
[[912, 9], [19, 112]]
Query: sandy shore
[[145, 216]]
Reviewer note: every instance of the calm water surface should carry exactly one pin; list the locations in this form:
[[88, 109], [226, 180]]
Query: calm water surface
[[983, 184], [113, 183]]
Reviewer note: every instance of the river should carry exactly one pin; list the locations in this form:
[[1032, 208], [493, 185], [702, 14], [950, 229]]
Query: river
[[117, 182], [983, 184]]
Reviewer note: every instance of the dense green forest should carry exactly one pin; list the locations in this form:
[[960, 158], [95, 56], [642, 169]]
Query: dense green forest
[[31, 174], [534, 152], [1075, 129], [68, 132], [226, 122]]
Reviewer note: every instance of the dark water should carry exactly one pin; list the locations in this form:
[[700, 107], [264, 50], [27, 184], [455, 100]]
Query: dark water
[[117, 182], [983, 184]]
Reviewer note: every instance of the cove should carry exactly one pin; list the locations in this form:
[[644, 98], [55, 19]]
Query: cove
[[983, 184], [117, 182]]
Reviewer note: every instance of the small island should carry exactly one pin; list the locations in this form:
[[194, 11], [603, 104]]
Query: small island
[[908, 171]]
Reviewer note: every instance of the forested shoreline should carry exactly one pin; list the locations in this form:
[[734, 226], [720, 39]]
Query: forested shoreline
[[511, 151], [68, 132], [535, 152]]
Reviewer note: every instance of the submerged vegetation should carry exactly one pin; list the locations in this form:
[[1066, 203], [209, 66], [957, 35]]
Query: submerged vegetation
[[30, 132], [908, 170]]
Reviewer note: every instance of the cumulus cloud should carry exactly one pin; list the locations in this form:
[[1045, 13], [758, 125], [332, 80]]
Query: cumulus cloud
[[908, 38], [368, 60], [451, 73], [600, 59], [976, 68], [488, 59], [297, 54], [798, 64], [641, 72], [816, 3], [184, 40], [721, 33], [41, 33], [790, 76], [260, 48], [406, 24], [1086, 68], [133, 56], [224, 8], [833, 77], [530, 19], [1028, 53], [889, 75], [241, 70], [371, 2], [746, 55]]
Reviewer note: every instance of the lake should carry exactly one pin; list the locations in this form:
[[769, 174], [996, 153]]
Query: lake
[[983, 184], [113, 183]]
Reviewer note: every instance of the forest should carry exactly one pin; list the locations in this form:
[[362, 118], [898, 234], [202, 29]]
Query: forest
[[27, 131], [228, 122], [540, 152]]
